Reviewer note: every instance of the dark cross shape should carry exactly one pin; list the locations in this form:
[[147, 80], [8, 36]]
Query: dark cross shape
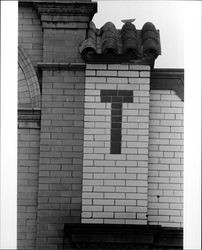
[[116, 98]]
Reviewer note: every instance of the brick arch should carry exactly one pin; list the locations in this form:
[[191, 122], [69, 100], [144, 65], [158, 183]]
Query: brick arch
[[29, 91]]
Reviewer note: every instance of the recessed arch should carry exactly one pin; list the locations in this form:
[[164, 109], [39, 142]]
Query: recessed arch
[[30, 91]]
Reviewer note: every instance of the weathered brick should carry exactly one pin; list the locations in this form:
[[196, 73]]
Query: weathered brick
[[138, 80], [139, 67], [118, 67], [113, 208], [106, 73], [144, 73], [92, 208], [92, 220], [96, 66], [128, 73], [103, 202], [95, 79], [117, 80], [158, 218], [102, 214], [27, 190]]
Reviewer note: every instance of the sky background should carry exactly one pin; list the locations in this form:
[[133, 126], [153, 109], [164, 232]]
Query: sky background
[[167, 16]]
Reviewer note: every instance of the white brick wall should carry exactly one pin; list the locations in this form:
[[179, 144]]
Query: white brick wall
[[165, 181], [115, 185], [147, 177]]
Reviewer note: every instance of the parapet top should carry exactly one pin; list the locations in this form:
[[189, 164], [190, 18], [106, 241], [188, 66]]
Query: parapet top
[[110, 45]]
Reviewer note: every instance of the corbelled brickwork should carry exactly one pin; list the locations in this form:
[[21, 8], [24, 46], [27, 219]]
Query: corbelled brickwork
[[116, 133], [165, 182], [28, 162]]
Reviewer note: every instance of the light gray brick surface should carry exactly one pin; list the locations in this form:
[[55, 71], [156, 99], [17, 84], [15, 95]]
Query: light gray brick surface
[[165, 168], [117, 178]]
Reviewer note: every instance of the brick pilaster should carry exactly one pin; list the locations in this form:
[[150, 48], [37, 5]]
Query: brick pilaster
[[59, 192], [116, 130], [64, 28]]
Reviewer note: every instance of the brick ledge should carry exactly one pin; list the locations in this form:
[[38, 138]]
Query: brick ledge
[[116, 236], [168, 79], [61, 66], [29, 118]]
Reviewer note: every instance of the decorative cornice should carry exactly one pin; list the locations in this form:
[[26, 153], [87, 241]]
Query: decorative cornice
[[66, 7], [65, 14], [62, 66], [168, 79]]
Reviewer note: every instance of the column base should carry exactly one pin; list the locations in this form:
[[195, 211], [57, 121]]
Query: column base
[[118, 236]]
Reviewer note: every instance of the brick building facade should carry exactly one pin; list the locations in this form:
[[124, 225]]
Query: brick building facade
[[100, 133]]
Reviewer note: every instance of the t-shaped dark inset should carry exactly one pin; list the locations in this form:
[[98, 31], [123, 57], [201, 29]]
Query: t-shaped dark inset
[[116, 98]]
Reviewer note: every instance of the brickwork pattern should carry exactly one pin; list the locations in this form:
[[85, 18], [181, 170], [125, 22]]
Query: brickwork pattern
[[28, 163], [165, 182], [115, 185], [60, 175], [29, 95], [30, 36]]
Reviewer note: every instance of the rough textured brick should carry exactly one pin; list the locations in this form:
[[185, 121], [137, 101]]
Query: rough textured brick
[[118, 67], [128, 73], [116, 80], [106, 73], [61, 146], [27, 186], [139, 67], [144, 73], [96, 66], [138, 80], [30, 34]]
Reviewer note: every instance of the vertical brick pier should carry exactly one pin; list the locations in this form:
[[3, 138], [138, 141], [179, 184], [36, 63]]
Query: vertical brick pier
[[115, 158], [61, 140]]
